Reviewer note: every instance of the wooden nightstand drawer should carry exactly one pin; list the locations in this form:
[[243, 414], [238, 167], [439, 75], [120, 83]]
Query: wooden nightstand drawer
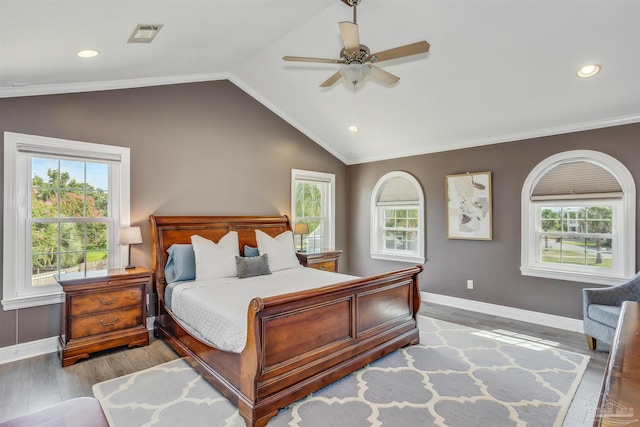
[[109, 321], [103, 309], [325, 260], [324, 266], [115, 300]]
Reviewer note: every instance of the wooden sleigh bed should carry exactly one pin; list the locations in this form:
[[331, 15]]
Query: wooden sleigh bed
[[296, 343]]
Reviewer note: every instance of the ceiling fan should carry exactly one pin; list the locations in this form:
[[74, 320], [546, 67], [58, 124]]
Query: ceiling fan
[[357, 60]]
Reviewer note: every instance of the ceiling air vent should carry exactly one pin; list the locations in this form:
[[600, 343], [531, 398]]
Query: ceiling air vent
[[144, 33]]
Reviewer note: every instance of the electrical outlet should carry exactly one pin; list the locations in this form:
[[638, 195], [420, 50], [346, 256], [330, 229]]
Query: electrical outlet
[[469, 284]]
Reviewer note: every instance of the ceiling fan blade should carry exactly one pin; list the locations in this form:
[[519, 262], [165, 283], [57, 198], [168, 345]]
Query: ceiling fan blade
[[350, 37], [305, 59], [383, 76], [331, 80], [399, 52]]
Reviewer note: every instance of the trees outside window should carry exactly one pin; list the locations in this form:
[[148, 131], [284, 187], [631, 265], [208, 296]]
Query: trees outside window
[[69, 218], [313, 203]]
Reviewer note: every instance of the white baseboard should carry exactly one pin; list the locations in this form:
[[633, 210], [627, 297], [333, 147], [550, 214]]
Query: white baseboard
[[39, 347], [544, 319], [28, 349]]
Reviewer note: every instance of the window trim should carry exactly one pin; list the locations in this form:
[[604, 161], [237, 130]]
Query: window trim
[[329, 178], [15, 293], [625, 232], [376, 250]]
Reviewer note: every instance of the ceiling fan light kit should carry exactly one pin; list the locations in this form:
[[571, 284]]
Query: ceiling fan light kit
[[356, 58], [354, 73]]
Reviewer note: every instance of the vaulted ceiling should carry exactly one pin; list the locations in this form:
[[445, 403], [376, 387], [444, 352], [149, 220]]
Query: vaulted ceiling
[[497, 70]]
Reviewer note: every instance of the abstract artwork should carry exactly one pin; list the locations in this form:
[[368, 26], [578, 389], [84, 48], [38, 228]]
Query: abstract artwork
[[469, 206]]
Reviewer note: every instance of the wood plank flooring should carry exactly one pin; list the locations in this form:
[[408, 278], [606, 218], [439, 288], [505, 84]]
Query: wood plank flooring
[[38, 382], [35, 383]]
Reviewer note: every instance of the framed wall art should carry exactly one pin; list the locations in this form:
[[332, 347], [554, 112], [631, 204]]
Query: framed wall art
[[469, 210]]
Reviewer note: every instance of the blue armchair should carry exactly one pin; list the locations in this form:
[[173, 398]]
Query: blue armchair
[[601, 309]]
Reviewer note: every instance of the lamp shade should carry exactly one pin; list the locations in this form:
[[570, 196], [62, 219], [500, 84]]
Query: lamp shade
[[301, 228], [130, 236]]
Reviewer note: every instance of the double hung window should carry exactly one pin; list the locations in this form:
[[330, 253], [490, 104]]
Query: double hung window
[[313, 204], [577, 234], [64, 203]]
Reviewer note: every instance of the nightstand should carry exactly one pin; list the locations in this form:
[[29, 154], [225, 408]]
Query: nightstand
[[103, 309], [323, 259]]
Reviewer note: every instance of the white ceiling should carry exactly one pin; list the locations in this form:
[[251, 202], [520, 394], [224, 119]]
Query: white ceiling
[[498, 70]]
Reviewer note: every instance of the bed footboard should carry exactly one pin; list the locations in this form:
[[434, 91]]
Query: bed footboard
[[299, 343]]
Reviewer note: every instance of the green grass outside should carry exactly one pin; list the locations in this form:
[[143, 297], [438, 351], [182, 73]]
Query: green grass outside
[[572, 257], [96, 256], [581, 244]]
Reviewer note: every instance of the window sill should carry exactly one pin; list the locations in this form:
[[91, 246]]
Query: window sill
[[32, 301], [572, 276], [400, 258]]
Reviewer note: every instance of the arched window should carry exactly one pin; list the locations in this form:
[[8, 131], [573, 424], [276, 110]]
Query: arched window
[[578, 219], [397, 219]]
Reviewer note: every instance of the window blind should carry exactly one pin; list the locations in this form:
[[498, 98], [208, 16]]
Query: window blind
[[577, 180], [398, 190]]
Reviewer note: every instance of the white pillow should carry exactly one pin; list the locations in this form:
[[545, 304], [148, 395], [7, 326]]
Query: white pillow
[[216, 260], [281, 250]]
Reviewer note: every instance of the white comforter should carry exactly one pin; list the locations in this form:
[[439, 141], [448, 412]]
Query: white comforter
[[215, 311]]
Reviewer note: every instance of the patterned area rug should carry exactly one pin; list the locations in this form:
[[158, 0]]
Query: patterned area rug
[[457, 376]]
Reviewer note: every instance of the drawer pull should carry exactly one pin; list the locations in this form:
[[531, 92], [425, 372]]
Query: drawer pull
[[108, 302], [103, 323], [323, 267]]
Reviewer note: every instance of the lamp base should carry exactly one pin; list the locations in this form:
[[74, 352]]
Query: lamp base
[[129, 267]]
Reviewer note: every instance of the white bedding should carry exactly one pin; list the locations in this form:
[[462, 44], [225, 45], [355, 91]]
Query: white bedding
[[215, 310]]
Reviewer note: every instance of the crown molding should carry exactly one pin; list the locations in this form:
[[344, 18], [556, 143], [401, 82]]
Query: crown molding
[[500, 139], [56, 89]]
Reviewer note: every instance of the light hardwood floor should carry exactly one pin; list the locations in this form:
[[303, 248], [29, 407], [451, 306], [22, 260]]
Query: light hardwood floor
[[38, 382]]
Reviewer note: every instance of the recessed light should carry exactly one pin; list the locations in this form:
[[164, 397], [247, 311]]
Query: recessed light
[[88, 53], [353, 128], [589, 70]]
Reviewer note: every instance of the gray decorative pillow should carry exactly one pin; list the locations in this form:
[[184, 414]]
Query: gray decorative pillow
[[252, 266]]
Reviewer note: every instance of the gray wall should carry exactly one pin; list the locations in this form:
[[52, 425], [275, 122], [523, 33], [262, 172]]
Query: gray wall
[[493, 265], [209, 148], [200, 148]]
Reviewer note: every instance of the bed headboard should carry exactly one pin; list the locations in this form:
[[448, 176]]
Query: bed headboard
[[167, 230]]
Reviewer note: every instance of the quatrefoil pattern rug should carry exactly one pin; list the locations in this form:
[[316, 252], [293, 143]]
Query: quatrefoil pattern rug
[[457, 376]]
